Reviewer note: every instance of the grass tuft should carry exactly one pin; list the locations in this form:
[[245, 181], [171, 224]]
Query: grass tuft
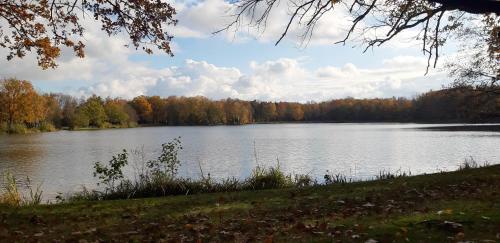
[[471, 163], [12, 196], [387, 175]]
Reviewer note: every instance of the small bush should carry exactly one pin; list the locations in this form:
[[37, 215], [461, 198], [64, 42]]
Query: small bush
[[13, 197], [84, 195], [34, 195], [167, 163], [18, 128], [47, 127], [132, 124], [267, 178], [469, 163], [335, 178], [301, 180], [4, 128], [386, 175], [109, 175]]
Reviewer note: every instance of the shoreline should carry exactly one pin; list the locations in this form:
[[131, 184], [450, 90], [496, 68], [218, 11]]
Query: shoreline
[[455, 126]]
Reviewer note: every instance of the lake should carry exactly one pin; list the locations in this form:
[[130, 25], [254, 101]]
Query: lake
[[62, 161]]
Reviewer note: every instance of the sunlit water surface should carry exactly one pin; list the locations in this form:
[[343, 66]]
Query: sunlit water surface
[[62, 161]]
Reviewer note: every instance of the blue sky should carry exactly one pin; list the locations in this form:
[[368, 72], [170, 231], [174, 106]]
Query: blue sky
[[241, 63]]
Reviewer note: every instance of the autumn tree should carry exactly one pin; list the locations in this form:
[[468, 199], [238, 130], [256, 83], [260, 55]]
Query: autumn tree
[[312, 111], [173, 110], [80, 118], [295, 112], [37, 110], [375, 22], [269, 111], [94, 110], [281, 111], [238, 112], [47, 26], [158, 110], [54, 112], [116, 113], [19, 102], [196, 107], [215, 113], [69, 107], [143, 108]]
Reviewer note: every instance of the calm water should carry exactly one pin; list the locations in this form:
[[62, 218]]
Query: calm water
[[63, 160]]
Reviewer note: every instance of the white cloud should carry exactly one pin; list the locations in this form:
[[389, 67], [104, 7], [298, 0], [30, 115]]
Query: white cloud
[[282, 79]]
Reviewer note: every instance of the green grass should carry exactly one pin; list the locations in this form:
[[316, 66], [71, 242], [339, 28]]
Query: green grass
[[443, 207]]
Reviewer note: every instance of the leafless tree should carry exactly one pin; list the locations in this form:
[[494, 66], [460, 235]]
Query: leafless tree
[[435, 21]]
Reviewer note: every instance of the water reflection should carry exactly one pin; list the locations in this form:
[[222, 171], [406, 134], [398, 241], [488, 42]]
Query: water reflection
[[21, 154]]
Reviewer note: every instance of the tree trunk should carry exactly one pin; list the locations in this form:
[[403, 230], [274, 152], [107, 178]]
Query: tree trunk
[[11, 122]]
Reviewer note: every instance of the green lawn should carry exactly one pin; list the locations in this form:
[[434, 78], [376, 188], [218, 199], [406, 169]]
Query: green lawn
[[442, 207]]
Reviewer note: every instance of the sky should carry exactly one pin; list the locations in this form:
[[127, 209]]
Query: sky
[[240, 63]]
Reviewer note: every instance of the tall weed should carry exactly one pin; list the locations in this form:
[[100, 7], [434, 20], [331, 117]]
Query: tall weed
[[12, 196]]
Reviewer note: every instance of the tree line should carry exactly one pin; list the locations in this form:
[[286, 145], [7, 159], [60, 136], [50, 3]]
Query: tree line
[[21, 107]]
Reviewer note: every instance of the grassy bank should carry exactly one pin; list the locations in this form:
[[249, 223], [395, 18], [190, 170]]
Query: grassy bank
[[452, 206], [20, 128]]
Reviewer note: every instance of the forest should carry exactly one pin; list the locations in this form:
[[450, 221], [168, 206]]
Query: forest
[[23, 109]]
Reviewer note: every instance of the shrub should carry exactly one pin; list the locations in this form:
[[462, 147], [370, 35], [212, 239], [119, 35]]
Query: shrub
[[335, 178], [266, 178], [156, 177], [80, 119], [301, 180], [469, 163], [47, 127], [18, 128], [13, 197], [34, 196], [167, 163], [109, 175], [386, 175], [4, 128], [131, 124]]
